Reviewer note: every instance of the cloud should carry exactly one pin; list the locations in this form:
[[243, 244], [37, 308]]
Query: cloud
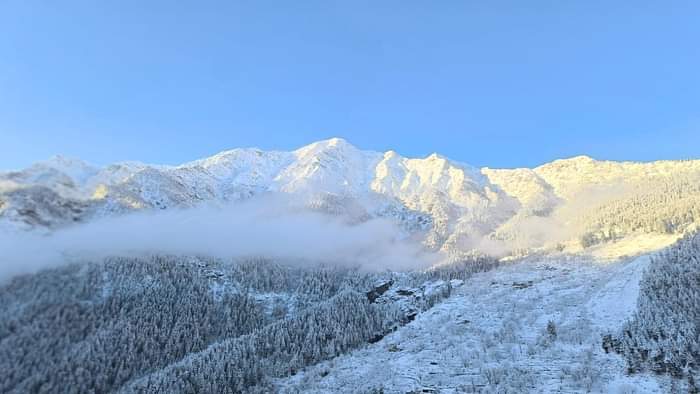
[[267, 227]]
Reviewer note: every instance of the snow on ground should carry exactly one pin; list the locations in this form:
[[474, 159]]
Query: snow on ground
[[491, 336], [632, 245], [617, 299]]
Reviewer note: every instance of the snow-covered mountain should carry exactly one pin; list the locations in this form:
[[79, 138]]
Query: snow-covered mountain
[[171, 321], [565, 204]]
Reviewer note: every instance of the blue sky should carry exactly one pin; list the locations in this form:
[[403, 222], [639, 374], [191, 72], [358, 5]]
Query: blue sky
[[491, 83]]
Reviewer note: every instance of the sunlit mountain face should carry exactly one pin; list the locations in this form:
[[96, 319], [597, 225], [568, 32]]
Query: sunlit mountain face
[[566, 205]]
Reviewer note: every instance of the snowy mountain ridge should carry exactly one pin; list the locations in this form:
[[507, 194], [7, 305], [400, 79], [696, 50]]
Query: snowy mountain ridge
[[453, 206]]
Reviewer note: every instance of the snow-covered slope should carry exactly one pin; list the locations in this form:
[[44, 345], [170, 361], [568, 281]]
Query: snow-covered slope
[[492, 336], [566, 204]]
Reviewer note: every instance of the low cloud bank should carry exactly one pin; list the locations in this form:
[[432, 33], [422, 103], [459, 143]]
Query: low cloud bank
[[265, 227]]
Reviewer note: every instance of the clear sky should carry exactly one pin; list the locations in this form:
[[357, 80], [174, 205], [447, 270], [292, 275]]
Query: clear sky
[[490, 83]]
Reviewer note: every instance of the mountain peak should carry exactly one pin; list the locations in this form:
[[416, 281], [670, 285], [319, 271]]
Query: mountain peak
[[435, 156], [335, 142], [76, 169], [391, 154], [61, 160], [575, 161], [336, 145], [582, 157], [579, 159]]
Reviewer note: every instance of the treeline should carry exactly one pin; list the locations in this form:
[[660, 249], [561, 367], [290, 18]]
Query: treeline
[[459, 269], [185, 324], [667, 207], [664, 334], [249, 363], [94, 327]]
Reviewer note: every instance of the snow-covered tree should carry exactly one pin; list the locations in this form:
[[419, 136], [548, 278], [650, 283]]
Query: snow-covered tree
[[664, 333]]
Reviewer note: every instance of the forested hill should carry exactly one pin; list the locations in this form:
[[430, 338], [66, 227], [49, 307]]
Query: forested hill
[[167, 324]]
